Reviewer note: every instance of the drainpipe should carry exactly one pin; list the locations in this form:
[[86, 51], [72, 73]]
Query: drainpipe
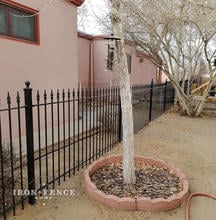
[[91, 82], [89, 69], [93, 65]]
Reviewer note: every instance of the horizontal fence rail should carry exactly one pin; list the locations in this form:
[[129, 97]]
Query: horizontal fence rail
[[46, 137]]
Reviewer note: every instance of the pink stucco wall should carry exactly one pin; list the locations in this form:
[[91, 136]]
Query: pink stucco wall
[[53, 63], [84, 61], [142, 69], [102, 76]]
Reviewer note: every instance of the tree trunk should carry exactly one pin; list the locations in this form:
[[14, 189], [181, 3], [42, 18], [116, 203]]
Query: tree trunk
[[199, 107], [125, 92]]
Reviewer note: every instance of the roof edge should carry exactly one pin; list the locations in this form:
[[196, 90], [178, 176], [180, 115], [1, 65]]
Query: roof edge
[[91, 37], [77, 2], [139, 53]]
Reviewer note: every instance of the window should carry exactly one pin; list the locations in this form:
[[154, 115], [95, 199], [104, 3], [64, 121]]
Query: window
[[18, 23], [129, 62], [110, 57]]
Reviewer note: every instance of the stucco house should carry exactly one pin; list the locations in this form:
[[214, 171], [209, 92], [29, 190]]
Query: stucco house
[[98, 66], [38, 42]]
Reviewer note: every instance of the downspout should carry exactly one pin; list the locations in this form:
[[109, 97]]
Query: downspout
[[90, 64], [91, 83], [93, 65]]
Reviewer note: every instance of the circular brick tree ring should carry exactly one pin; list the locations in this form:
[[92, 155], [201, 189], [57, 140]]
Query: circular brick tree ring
[[141, 203]]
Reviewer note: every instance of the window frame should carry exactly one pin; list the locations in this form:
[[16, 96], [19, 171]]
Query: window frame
[[20, 7]]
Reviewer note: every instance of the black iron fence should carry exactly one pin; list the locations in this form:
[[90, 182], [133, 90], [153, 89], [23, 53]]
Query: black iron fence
[[150, 101], [46, 138]]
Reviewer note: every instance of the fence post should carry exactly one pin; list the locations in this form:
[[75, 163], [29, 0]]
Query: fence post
[[150, 101], [165, 96], [29, 142], [120, 121]]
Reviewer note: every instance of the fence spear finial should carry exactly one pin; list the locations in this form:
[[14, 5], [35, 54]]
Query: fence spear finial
[[27, 83]]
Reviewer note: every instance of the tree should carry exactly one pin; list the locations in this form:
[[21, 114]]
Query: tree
[[177, 34], [114, 17], [92, 22], [125, 93]]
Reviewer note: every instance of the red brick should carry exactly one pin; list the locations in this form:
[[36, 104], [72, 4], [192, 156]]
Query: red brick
[[99, 196], [159, 204], [169, 166], [181, 175], [127, 204], [173, 202], [118, 157], [185, 185], [91, 169], [96, 165], [149, 160], [90, 186], [159, 163], [183, 195], [140, 158], [144, 204], [112, 201]]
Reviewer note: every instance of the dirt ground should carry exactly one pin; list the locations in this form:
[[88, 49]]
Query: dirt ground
[[188, 143]]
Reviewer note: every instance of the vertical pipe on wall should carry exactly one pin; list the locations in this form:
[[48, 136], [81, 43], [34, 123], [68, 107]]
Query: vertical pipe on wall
[[91, 83]]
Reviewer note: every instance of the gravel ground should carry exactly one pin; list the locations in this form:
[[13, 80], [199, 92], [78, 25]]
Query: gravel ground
[[188, 143], [151, 181]]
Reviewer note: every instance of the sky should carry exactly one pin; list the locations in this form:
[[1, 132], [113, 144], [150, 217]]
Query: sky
[[88, 13]]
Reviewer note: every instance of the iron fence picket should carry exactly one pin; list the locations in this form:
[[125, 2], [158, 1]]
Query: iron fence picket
[[64, 141], [90, 122], [46, 139], [20, 148], [93, 123], [52, 137], [103, 122], [111, 116], [11, 151], [39, 138], [74, 127], [97, 117], [58, 127], [100, 127], [69, 132], [86, 121], [82, 123], [3, 208]]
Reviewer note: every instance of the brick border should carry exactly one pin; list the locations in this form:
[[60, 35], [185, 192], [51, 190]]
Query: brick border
[[146, 204]]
